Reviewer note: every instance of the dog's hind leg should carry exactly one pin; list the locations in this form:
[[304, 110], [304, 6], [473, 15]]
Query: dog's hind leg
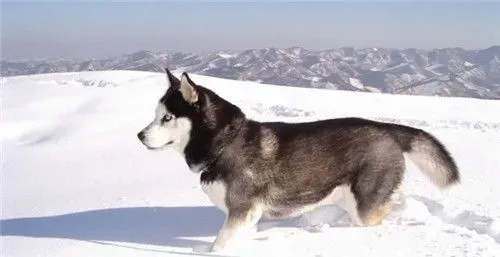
[[239, 220], [376, 190]]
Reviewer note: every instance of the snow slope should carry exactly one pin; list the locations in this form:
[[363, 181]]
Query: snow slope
[[75, 181]]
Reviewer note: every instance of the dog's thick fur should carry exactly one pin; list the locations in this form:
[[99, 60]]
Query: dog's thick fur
[[253, 169]]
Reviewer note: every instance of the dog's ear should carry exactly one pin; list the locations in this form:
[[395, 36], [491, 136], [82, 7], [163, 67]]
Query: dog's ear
[[188, 89], [174, 82]]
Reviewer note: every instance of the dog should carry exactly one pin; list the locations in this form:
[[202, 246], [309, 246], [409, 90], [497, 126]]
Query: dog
[[252, 170]]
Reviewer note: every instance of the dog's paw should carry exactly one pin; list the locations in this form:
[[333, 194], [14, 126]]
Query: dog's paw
[[216, 248]]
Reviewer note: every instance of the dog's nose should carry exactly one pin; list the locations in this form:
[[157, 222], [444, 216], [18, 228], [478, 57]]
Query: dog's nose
[[141, 135]]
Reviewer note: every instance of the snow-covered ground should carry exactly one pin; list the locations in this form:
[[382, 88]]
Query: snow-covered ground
[[75, 181]]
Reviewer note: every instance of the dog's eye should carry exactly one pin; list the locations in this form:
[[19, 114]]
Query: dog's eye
[[166, 118]]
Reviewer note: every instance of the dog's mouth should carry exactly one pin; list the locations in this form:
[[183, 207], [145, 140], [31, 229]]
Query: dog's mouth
[[160, 147]]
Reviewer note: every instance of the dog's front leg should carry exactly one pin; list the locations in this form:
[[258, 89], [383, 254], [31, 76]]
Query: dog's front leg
[[237, 221]]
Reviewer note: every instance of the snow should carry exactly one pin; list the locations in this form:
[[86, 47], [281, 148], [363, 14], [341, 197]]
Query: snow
[[373, 89], [315, 79], [75, 180], [356, 83], [468, 64], [226, 56], [359, 85]]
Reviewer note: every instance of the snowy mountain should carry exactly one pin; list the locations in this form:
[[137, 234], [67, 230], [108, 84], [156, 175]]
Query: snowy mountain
[[442, 72], [76, 182]]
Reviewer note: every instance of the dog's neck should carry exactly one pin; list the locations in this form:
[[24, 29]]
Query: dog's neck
[[221, 141], [201, 162]]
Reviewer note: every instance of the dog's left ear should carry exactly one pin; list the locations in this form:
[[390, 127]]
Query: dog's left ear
[[188, 89], [174, 82]]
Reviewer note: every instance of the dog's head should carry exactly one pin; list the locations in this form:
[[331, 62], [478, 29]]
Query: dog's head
[[185, 111], [173, 118]]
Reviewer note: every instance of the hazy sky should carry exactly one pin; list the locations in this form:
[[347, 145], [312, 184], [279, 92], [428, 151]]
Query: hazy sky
[[78, 28]]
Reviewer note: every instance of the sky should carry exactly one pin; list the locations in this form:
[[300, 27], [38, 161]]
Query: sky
[[38, 29]]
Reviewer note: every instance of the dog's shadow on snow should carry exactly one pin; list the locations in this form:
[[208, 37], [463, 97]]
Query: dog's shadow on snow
[[165, 226], [162, 226]]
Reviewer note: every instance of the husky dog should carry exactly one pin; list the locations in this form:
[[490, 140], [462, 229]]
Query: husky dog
[[252, 170]]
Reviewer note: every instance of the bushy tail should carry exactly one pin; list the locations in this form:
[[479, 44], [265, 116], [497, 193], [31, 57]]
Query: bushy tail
[[429, 154]]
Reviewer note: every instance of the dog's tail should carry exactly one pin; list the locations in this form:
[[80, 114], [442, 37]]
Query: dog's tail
[[428, 153]]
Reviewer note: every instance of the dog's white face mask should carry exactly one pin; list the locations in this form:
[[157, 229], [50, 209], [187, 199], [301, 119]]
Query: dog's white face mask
[[166, 130]]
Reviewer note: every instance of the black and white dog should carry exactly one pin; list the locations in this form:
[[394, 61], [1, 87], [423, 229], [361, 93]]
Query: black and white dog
[[252, 170]]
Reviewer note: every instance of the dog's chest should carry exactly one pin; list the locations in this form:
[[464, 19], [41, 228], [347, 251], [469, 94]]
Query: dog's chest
[[216, 192]]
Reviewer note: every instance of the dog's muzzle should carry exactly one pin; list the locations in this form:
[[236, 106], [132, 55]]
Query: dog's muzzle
[[142, 136]]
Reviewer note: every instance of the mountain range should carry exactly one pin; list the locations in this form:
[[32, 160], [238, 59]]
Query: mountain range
[[453, 72]]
